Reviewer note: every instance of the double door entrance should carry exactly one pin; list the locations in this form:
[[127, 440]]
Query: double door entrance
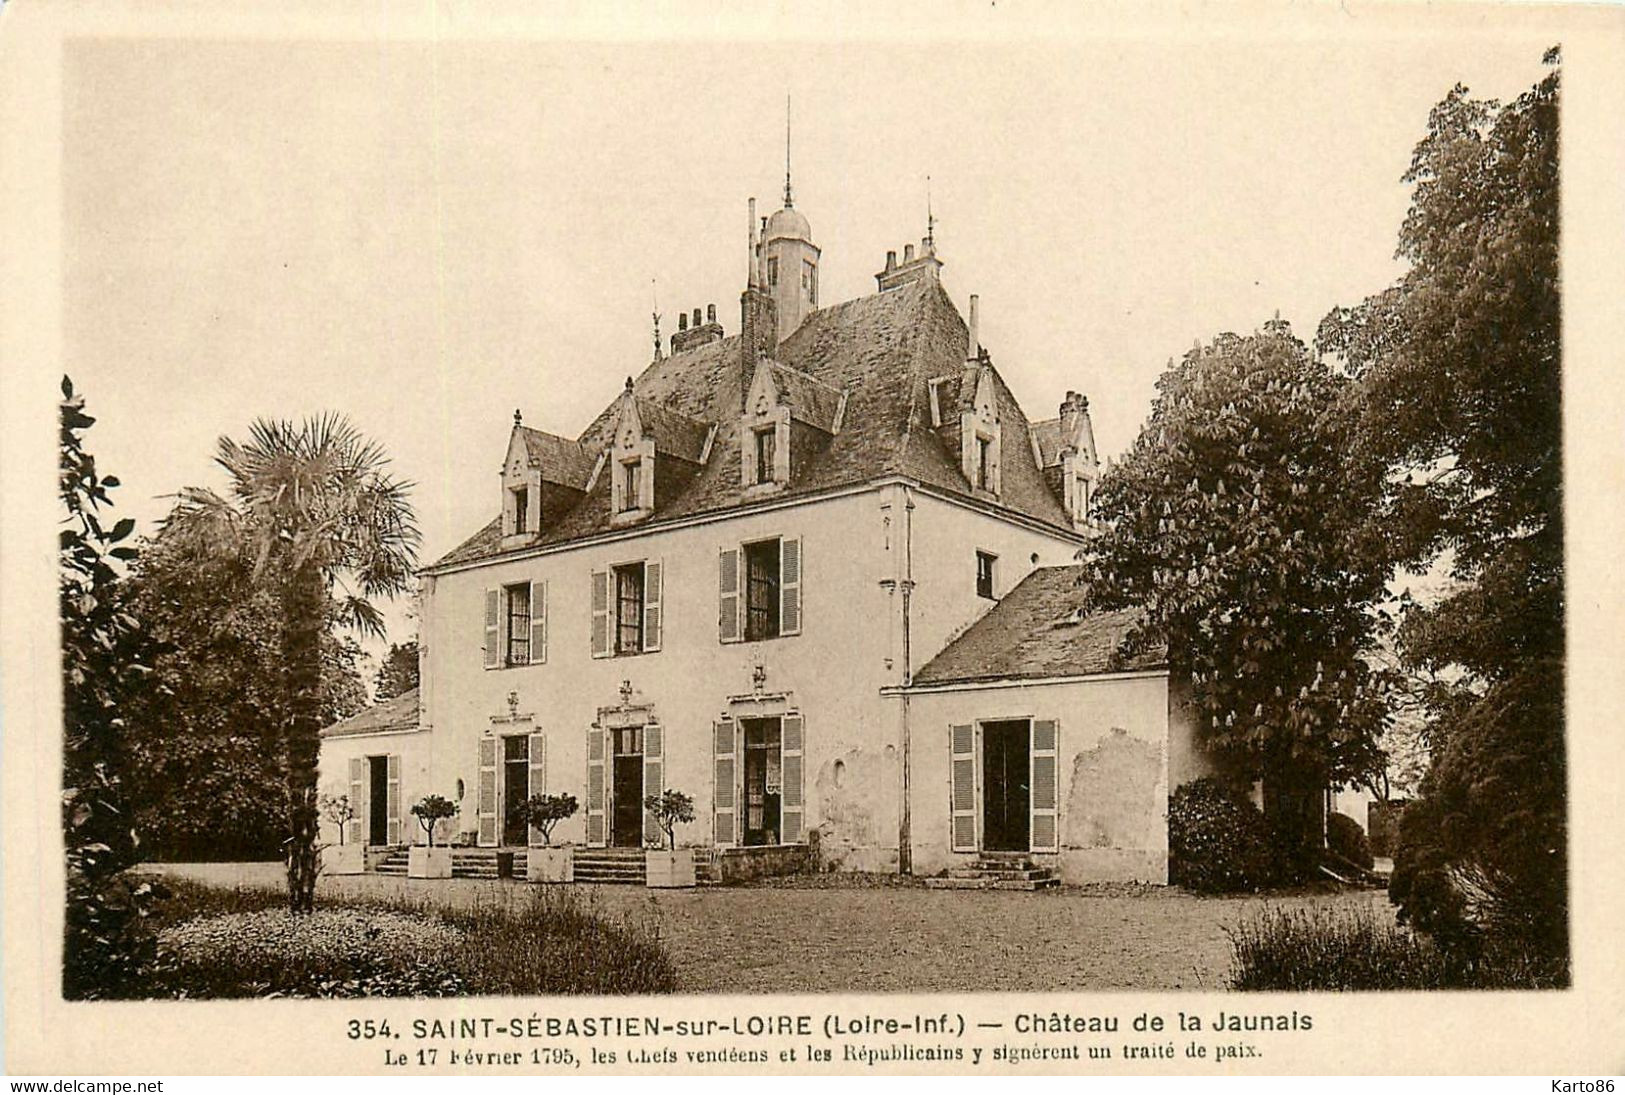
[[1007, 786], [626, 783]]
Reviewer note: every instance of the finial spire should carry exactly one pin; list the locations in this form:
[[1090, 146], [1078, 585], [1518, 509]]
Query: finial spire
[[788, 200], [517, 417], [654, 293], [930, 221]]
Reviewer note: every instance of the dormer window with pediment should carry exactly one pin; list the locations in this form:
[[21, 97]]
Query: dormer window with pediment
[[1065, 449], [980, 432], [542, 476], [632, 464], [784, 408]]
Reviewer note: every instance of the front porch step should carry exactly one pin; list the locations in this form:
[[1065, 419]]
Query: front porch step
[[1000, 874], [465, 863], [984, 883], [611, 866]]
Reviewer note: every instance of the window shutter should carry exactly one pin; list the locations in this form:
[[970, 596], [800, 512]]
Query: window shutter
[[393, 801], [1045, 780], [723, 794], [493, 628], [486, 803], [790, 568], [728, 601], [354, 832], [651, 604], [962, 793], [792, 807], [654, 743], [538, 623], [538, 777], [595, 788], [600, 614]]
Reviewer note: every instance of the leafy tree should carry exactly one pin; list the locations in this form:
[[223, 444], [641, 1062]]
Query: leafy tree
[[1240, 523], [1459, 385], [106, 937], [399, 673], [206, 772], [671, 809], [314, 512], [432, 810], [544, 812]]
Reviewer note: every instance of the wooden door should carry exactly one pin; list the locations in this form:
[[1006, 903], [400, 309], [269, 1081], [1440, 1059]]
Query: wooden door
[[1006, 786], [626, 827]]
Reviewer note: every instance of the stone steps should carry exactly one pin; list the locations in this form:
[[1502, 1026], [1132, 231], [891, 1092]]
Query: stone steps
[[610, 866], [996, 872]]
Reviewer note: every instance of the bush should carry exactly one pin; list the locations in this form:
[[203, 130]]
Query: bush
[[1481, 864], [1333, 949], [1345, 839], [1218, 842], [215, 943]]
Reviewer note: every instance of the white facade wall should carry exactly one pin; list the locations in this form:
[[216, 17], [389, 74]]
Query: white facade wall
[[413, 749], [1115, 737]]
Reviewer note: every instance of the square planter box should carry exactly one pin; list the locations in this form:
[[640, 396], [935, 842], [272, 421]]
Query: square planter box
[[550, 864], [344, 859], [426, 862], [665, 870]]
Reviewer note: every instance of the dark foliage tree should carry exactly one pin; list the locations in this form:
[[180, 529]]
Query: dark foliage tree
[[314, 512], [205, 774], [399, 673], [102, 667], [1240, 521], [1459, 374]]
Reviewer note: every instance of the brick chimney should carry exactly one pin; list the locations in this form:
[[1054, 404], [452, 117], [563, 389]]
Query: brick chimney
[[912, 268], [688, 337], [758, 317], [1074, 409]]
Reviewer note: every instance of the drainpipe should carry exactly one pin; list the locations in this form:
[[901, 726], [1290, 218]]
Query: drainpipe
[[905, 854]]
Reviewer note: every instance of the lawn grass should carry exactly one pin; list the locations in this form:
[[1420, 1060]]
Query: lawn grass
[[228, 943]]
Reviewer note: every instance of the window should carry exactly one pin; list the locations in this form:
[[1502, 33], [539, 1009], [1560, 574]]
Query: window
[[984, 575], [518, 651], [766, 452], [984, 463], [629, 609], [773, 271], [810, 280], [764, 781], [762, 591], [1083, 499], [631, 484], [521, 505]]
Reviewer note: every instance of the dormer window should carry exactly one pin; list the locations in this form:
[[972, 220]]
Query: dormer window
[[521, 509], [979, 430], [631, 484], [984, 463], [766, 447]]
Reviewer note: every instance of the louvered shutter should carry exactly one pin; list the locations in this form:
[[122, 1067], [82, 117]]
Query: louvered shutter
[[493, 629], [791, 565], [1045, 784], [353, 828], [651, 604], [485, 805], [537, 783], [538, 623], [724, 794], [392, 800], [600, 614], [792, 806], [962, 790], [595, 788], [728, 578], [654, 746]]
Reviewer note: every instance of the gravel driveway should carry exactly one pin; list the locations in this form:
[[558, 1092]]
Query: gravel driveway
[[847, 936]]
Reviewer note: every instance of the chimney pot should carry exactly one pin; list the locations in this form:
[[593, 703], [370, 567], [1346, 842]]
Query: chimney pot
[[908, 252], [974, 346], [710, 313], [891, 260], [696, 317], [682, 321]]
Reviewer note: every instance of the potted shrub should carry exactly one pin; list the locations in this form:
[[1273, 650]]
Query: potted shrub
[[547, 863], [668, 868], [341, 858], [428, 861]]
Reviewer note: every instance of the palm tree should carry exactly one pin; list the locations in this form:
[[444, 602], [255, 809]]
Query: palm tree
[[312, 508]]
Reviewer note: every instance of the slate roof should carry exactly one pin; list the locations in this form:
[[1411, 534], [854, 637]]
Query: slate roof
[[675, 434], [1048, 436], [1035, 632], [561, 460], [810, 400], [397, 713], [880, 351]]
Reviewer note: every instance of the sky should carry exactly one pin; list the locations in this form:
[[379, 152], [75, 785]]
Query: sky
[[427, 235]]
